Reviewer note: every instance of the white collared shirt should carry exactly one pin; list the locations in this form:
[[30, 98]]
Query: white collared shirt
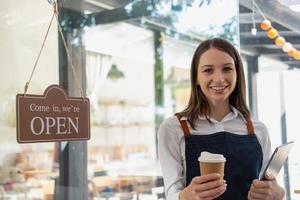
[[171, 145]]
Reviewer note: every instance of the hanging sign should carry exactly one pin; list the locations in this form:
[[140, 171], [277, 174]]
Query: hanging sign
[[52, 117]]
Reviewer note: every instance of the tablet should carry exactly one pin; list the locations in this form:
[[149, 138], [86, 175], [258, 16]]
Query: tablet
[[277, 159]]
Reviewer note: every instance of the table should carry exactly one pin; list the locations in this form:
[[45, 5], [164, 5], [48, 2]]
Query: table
[[39, 173]]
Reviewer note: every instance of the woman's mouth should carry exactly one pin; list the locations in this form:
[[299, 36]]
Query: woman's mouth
[[219, 88]]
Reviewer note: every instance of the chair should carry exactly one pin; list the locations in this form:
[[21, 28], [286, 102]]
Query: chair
[[143, 185], [48, 188], [159, 189], [103, 186]]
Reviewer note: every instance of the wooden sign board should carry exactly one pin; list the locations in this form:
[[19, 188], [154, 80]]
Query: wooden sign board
[[52, 117]]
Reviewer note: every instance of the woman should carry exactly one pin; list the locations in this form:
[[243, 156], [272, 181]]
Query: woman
[[216, 120]]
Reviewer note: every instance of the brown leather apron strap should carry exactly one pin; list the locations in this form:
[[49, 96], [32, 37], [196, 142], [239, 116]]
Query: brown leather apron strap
[[250, 126], [184, 125]]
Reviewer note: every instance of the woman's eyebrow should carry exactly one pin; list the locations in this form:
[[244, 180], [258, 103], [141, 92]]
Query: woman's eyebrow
[[230, 63], [208, 65]]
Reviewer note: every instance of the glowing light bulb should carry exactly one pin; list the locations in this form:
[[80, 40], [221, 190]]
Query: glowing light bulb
[[287, 47], [272, 33], [253, 31], [279, 41], [297, 55], [292, 52], [265, 25]]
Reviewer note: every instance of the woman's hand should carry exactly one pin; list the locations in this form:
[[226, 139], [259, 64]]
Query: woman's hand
[[204, 187], [266, 190]]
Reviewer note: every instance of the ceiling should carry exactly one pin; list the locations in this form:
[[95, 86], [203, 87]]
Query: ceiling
[[93, 5], [281, 16]]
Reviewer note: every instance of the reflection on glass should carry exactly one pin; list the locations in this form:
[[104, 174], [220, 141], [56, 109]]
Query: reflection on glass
[[122, 161], [195, 18], [199, 18], [25, 170], [114, 73], [122, 151]]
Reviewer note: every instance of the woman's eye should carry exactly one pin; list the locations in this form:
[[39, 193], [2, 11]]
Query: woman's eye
[[208, 70], [227, 69]]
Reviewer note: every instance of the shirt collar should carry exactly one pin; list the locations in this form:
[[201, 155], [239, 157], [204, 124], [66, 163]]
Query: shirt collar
[[232, 115]]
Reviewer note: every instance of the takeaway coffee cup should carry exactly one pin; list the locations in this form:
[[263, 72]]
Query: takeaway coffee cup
[[211, 163]]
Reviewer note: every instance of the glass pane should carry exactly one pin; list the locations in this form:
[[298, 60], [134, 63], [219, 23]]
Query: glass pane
[[121, 58], [120, 86], [291, 80], [277, 77], [124, 42], [26, 170]]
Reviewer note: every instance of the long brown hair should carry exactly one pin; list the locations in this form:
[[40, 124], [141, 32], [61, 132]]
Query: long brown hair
[[198, 103]]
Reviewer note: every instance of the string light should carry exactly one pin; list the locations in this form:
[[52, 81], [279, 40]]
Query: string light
[[279, 41], [287, 47], [265, 25], [297, 55], [292, 52], [272, 33], [253, 30]]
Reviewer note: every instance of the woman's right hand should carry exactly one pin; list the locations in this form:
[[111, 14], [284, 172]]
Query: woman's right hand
[[206, 187]]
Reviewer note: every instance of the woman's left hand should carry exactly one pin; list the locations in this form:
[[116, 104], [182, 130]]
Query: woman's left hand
[[266, 190]]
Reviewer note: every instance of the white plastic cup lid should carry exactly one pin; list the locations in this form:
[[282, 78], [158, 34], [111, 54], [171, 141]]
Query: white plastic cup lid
[[211, 157]]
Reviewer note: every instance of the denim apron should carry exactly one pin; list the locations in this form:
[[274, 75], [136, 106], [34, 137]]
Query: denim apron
[[243, 155]]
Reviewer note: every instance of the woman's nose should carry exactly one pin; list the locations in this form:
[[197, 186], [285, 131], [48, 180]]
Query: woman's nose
[[218, 76]]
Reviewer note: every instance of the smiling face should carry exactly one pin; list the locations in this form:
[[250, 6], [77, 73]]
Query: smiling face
[[216, 76]]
